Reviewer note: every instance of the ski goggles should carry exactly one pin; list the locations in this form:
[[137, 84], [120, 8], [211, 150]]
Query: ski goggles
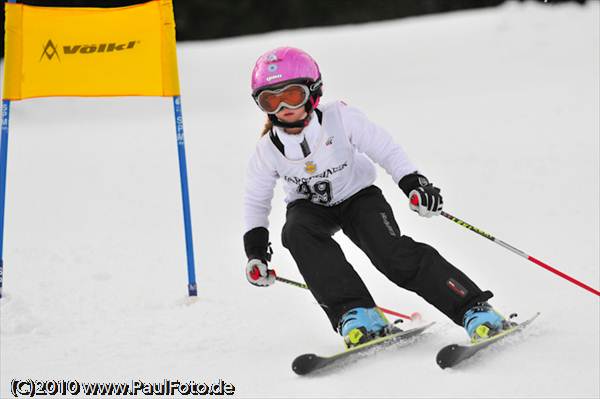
[[292, 96]]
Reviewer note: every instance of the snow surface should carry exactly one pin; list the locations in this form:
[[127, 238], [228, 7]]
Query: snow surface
[[498, 107]]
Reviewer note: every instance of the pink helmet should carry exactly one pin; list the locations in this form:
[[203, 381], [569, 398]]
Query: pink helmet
[[284, 64]]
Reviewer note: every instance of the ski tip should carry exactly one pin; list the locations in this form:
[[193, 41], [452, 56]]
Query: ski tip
[[444, 354], [303, 364]]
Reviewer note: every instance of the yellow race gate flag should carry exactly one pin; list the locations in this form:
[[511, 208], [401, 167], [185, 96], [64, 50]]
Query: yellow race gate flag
[[60, 51], [93, 52]]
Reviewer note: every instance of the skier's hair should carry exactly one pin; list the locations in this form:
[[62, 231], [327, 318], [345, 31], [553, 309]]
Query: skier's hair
[[267, 128]]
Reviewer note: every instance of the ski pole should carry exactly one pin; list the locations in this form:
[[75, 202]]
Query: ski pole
[[415, 201], [413, 316]]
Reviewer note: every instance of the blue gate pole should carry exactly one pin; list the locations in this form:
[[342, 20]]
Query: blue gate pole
[[185, 196], [3, 161]]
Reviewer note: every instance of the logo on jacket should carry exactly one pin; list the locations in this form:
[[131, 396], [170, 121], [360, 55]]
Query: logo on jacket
[[310, 167], [329, 141]]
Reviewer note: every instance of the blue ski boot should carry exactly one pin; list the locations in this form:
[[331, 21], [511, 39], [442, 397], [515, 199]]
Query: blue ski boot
[[482, 321], [360, 325]]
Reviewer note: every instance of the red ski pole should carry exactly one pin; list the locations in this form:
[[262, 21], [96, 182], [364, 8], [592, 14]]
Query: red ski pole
[[413, 316], [415, 201]]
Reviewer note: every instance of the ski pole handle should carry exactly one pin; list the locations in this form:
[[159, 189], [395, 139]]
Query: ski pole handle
[[413, 316]]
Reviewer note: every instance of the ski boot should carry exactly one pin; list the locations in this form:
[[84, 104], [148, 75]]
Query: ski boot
[[361, 325], [482, 321]]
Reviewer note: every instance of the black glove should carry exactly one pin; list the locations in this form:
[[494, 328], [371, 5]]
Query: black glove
[[257, 245], [424, 197], [258, 250]]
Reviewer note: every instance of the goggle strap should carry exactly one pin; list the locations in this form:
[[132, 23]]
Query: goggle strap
[[313, 87]]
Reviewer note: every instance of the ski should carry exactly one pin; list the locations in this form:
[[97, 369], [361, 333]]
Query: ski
[[309, 362], [451, 355]]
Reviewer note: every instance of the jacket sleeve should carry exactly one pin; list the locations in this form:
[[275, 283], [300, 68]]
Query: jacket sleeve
[[376, 142], [260, 182]]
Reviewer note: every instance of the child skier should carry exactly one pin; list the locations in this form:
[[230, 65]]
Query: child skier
[[325, 155]]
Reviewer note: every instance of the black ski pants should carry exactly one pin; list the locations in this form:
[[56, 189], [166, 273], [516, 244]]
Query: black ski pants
[[367, 219]]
